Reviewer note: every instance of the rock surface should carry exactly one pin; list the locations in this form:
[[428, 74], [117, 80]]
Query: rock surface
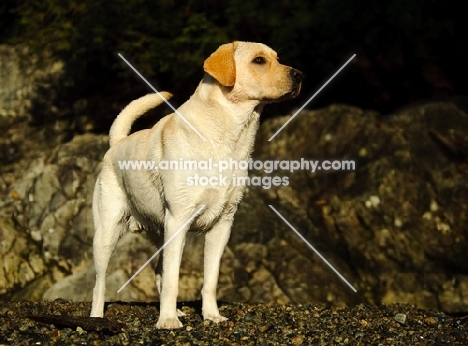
[[395, 227], [20, 78], [397, 224]]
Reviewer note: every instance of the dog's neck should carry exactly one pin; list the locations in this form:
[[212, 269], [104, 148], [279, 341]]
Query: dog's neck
[[213, 101]]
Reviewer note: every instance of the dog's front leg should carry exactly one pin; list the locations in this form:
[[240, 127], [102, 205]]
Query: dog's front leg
[[215, 242], [172, 255]]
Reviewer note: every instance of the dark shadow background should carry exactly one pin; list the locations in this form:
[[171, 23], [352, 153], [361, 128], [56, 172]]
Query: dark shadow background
[[407, 51]]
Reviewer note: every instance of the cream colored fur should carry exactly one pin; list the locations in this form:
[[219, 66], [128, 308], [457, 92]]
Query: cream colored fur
[[240, 78]]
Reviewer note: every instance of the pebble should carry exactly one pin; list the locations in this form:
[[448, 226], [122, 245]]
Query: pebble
[[400, 318], [248, 324]]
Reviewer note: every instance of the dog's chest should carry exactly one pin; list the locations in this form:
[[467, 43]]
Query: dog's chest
[[218, 203]]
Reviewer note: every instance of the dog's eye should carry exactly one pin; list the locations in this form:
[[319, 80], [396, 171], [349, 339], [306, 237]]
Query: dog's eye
[[260, 60]]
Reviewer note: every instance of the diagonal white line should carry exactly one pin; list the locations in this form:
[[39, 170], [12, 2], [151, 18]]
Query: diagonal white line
[[159, 94], [305, 104], [313, 249], [162, 247]]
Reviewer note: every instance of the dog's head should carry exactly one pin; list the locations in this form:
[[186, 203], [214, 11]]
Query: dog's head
[[251, 71]]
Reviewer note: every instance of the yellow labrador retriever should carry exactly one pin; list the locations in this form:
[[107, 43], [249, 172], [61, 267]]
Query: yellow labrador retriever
[[240, 78]]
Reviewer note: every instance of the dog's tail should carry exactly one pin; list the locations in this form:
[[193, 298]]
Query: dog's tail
[[123, 123]]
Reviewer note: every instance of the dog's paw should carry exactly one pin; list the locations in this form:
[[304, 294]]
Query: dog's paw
[[169, 323], [97, 313], [216, 319]]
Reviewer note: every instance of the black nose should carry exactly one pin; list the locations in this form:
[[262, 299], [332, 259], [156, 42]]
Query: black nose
[[296, 75]]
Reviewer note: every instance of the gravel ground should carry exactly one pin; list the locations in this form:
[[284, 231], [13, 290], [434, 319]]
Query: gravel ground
[[66, 323]]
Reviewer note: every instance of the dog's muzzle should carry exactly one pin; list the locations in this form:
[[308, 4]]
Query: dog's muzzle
[[296, 77]]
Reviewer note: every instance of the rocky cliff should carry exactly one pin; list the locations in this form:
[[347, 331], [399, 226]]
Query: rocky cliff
[[395, 226]]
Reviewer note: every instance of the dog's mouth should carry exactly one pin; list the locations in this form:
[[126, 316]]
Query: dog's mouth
[[295, 90]]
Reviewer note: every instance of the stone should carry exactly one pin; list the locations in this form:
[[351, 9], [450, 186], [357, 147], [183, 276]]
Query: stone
[[394, 224], [400, 318]]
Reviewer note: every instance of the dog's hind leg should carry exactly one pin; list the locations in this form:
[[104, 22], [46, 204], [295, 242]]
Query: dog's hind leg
[[108, 223]]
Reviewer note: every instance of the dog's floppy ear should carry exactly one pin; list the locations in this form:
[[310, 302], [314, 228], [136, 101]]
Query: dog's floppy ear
[[221, 65]]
